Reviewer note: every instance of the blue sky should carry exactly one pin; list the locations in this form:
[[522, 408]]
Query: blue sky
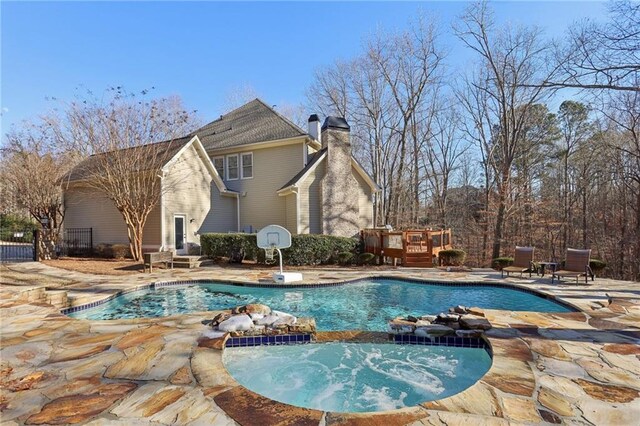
[[202, 51]]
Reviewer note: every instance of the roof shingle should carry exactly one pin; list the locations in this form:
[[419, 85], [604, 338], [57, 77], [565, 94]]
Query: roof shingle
[[251, 123]]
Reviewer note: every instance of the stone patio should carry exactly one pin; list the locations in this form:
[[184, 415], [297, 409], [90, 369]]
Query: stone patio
[[573, 368]]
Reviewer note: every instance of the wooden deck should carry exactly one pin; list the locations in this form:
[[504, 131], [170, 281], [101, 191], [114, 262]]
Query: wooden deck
[[415, 248]]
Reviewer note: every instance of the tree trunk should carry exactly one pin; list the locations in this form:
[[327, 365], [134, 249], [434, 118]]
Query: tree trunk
[[502, 207]]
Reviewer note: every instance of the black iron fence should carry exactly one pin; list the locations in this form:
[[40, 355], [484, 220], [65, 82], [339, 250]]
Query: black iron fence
[[76, 242], [17, 245]]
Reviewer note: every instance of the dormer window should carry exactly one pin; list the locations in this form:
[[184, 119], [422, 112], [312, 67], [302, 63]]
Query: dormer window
[[247, 165]]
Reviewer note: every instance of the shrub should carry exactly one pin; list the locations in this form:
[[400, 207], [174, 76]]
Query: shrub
[[305, 249], [309, 249], [452, 257], [120, 251], [103, 250], [226, 245], [366, 258], [344, 257], [500, 263], [597, 265]]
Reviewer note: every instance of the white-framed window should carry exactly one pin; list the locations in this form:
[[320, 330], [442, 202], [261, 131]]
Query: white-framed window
[[218, 163], [247, 165], [233, 169]]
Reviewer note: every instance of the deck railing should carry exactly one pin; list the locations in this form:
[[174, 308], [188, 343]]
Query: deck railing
[[397, 244]]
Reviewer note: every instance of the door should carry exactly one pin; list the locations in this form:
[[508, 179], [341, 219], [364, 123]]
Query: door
[[180, 233]]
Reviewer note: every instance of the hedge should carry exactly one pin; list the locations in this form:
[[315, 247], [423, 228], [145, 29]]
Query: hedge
[[305, 249]]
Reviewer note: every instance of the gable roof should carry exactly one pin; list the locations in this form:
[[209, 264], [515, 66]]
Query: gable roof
[[157, 155], [313, 161], [251, 123], [161, 156]]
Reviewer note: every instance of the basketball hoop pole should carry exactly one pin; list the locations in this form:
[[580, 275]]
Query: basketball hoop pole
[[280, 256]]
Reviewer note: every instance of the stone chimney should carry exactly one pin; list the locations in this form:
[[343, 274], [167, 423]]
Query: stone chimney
[[340, 210], [314, 127]]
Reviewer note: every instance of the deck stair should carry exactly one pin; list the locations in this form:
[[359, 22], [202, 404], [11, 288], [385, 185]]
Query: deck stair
[[418, 260], [190, 262]]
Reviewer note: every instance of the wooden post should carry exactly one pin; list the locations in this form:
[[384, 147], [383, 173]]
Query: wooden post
[[36, 245]]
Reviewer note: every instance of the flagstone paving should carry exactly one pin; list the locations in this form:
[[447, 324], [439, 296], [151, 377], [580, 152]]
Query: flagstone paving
[[571, 368]]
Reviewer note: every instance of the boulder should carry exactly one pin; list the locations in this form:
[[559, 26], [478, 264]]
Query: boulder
[[400, 326], [469, 333], [411, 318], [284, 321], [422, 323], [459, 309], [476, 311], [240, 322], [252, 308], [445, 318], [434, 330], [303, 325], [256, 316], [266, 320], [257, 330], [219, 318], [472, 322], [430, 318]]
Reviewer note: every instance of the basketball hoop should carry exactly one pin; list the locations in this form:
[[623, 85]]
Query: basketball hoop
[[270, 255], [273, 238]]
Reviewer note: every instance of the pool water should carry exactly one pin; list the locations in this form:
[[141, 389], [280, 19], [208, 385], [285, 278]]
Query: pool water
[[349, 377], [364, 305]]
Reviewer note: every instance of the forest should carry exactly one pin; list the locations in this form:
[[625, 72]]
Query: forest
[[480, 151]]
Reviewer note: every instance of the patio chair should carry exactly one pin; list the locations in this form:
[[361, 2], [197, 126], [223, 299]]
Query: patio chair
[[523, 262], [576, 265]]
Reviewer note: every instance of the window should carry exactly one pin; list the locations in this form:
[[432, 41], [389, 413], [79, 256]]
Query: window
[[218, 163], [232, 167], [247, 165]]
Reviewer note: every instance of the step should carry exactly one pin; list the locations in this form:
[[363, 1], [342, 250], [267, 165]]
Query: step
[[418, 264], [57, 298]]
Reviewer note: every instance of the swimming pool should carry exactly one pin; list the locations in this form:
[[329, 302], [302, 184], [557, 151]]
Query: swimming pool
[[350, 377], [364, 305]]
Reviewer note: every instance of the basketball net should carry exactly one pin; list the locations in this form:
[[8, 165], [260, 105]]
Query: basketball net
[[270, 255]]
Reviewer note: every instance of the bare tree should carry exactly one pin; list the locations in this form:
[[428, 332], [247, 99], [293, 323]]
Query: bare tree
[[601, 56], [511, 61], [31, 170], [131, 139]]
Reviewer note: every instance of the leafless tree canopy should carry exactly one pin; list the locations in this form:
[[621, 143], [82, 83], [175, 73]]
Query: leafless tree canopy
[[480, 151], [31, 169], [129, 139], [601, 55]]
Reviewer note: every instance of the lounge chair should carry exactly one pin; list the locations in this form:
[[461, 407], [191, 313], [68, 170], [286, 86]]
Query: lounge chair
[[523, 262], [576, 264]]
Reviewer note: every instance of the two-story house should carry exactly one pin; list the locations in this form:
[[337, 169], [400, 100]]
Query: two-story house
[[250, 168]]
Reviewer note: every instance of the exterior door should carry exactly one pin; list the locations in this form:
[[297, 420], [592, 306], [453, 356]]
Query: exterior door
[[180, 233]]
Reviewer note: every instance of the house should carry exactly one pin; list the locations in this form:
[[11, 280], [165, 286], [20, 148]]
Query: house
[[250, 168]]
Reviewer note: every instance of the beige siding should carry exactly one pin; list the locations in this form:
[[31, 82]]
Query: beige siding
[[365, 202], [310, 194], [291, 213], [260, 205], [87, 208], [188, 190]]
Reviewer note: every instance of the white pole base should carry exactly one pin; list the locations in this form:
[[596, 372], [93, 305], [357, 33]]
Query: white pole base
[[287, 277]]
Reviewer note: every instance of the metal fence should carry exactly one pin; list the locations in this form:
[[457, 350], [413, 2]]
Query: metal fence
[[17, 246], [76, 242]]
